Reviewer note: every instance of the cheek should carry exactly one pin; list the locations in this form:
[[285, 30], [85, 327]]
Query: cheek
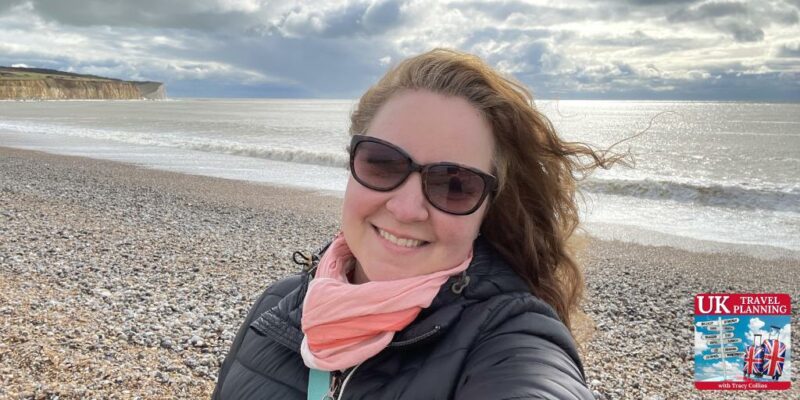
[[459, 232], [350, 206], [359, 203]]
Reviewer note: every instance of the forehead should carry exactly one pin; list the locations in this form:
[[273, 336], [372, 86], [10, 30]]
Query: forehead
[[435, 128]]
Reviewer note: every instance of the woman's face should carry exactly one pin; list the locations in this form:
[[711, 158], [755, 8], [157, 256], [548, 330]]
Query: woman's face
[[431, 128]]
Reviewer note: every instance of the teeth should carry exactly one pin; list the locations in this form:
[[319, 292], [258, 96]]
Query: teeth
[[398, 241]]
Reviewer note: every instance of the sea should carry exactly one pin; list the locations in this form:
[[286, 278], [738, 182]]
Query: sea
[[703, 176]]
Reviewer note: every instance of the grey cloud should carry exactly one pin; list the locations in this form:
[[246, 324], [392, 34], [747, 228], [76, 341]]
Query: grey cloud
[[8, 4], [502, 10], [761, 12], [363, 18], [382, 15], [233, 89], [610, 72], [744, 21], [526, 51], [342, 22], [645, 42], [141, 13], [743, 86], [359, 18], [330, 50], [660, 2], [539, 57], [34, 59], [318, 67], [707, 11], [791, 50], [509, 35], [743, 31], [620, 81], [783, 15]]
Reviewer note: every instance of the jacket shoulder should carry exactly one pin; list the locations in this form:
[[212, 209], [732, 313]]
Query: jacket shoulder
[[505, 310], [275, 292], [523, 351]]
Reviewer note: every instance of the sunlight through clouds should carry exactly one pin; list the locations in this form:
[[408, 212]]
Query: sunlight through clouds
[[617, 49]]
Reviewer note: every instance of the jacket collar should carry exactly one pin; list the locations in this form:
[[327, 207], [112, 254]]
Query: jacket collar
[[488, 276]]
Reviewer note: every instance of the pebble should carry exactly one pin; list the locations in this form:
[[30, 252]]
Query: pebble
[[197, 341], [190, 362], [102, 275], [644, 319], [149, 280]]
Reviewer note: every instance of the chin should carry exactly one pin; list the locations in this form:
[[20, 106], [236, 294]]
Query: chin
[[388, 271]]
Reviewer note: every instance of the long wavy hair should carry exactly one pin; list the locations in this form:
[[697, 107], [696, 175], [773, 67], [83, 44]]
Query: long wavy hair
[[534, 212]]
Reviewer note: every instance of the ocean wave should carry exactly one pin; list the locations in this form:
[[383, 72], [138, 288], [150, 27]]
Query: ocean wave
[[714, 195], [326, 159], [183, 140]]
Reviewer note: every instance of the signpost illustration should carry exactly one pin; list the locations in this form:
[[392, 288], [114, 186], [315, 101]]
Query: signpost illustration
[[742, 341], [723, 340]]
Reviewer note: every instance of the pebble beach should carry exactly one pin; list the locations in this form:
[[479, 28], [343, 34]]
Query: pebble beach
[[118, 281]]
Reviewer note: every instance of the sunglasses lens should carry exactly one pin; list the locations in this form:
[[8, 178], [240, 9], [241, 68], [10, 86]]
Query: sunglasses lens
[[454, 189], [379, 166]]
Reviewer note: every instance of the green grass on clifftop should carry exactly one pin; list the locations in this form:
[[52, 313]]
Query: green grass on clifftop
[[11, 73]]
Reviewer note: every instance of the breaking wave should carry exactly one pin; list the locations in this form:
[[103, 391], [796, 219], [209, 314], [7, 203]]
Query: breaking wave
[[184, 141], [715, 195]]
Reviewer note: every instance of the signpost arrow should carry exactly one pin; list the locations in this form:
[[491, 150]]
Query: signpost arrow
[[720, 328], [719, 336], [719, 356], [730, 321], [728, 341], [728, 349], [707, 323]]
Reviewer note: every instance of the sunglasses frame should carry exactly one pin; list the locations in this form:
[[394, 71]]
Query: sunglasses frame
[[489, 181]]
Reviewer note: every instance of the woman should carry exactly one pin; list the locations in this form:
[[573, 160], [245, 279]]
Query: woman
[[451, 276]]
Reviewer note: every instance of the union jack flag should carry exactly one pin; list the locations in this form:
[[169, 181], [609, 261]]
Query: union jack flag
[[774, 356], [753, 360]]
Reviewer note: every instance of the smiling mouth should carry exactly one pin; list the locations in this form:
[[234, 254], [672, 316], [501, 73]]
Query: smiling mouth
[[402, 242]]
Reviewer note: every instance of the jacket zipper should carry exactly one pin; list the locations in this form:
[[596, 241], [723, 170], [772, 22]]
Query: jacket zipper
[[346, 380], [336, 380], [419, 338]]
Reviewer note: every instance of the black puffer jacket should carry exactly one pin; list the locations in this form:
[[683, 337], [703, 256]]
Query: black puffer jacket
[[494, 340]]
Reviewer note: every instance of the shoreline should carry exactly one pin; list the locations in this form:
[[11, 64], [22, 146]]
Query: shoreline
[[118, 276], [595, 230]]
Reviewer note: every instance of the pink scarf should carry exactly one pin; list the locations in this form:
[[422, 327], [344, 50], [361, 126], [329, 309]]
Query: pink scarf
[[345, 324]]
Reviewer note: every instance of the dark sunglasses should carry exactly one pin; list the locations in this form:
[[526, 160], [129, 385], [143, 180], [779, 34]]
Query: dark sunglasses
[[452, 188]]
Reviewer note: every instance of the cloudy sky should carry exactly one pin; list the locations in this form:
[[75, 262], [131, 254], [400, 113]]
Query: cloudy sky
[[602, 49]]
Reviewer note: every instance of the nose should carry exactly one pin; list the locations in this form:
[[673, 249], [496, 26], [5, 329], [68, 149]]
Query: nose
[[407, 203]]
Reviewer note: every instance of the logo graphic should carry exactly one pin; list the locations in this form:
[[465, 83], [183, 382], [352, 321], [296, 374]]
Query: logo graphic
[[742, 341]]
